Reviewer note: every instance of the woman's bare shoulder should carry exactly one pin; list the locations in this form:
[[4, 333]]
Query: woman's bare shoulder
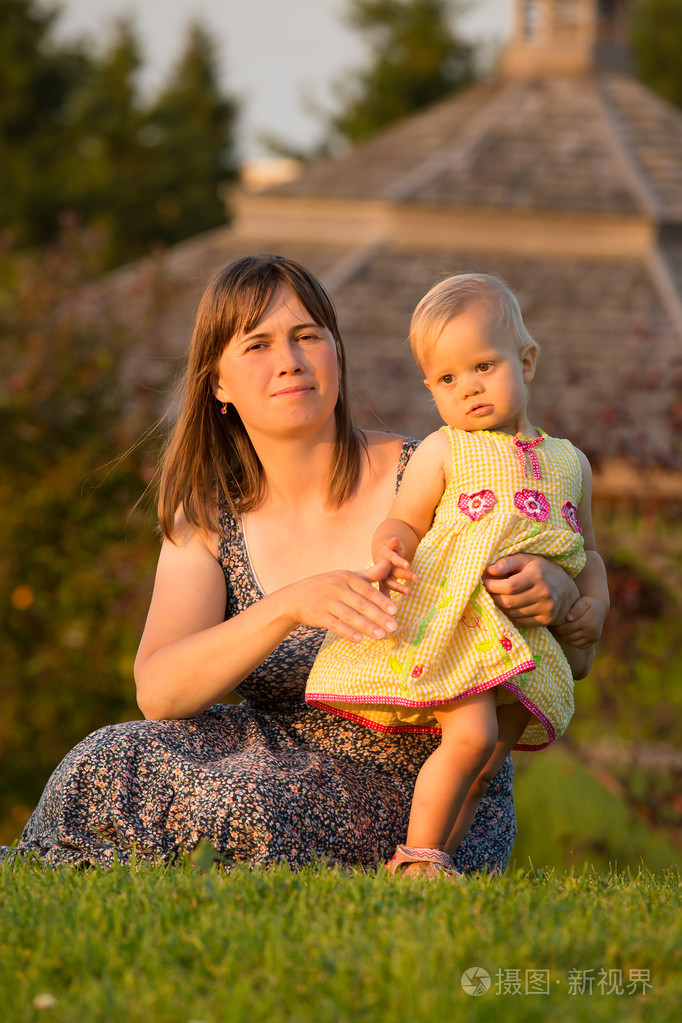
[[376, 438], [187, 535], [388, 445], [384, 450]]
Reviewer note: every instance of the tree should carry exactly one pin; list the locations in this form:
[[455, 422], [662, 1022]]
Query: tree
[[111, 164], [76, 564], [37, 82], [190, 131], [657, 46], [156, 172], [77, 137], [416, 59]]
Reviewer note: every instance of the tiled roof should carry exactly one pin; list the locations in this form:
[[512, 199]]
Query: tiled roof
[[610, 367], [554, 143], [393, 155], [650, 131]]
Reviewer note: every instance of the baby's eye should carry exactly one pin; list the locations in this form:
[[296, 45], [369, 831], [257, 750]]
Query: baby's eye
[[483, 367], [447, 378]]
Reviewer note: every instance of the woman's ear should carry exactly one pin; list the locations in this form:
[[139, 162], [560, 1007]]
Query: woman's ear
[[529, 357], [220, 392]]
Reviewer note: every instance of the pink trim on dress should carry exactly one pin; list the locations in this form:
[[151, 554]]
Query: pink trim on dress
[[374, 725], [318, 700]]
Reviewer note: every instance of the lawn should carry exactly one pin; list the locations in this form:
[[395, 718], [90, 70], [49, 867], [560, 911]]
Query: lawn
[[193, 943]]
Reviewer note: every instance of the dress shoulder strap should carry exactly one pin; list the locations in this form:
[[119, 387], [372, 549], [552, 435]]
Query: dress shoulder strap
[[453, 436], [571, 454]]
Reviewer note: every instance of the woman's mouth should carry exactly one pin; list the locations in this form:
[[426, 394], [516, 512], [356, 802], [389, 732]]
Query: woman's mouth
[[292, 392]]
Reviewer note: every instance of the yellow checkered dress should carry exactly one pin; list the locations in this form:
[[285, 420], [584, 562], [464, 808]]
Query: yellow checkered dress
[[505, 495]]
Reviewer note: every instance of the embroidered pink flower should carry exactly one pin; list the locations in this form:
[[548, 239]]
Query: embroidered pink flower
[[417, 670], [506, 642], [471, 620], [570, 513], [476, 505], [532, 503]]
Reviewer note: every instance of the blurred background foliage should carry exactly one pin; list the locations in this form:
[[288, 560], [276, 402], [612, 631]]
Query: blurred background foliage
[[77, 556], [416, 57], [76, 135], [93, 175], [657, 46], [611, 789]]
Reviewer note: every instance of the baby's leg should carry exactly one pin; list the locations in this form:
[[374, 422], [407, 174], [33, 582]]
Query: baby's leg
[[469, 733], [512, 719]]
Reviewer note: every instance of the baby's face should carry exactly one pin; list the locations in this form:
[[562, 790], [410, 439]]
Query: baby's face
[[477, 375]]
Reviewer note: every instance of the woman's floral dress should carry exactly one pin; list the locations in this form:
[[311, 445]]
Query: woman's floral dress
[[271, 779]]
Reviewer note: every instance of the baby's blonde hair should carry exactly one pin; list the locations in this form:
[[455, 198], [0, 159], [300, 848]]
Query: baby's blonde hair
[[452, 296]]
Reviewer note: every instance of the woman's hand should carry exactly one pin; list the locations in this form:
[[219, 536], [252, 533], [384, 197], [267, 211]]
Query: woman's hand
[[531, 590], [190, 656], [346, 603]]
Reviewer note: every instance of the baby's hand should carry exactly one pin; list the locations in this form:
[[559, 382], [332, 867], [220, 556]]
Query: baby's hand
[[398, 572], [583, 624]]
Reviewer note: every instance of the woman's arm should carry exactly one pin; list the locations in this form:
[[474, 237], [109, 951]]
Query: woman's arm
[[189, 657], [585, 619]]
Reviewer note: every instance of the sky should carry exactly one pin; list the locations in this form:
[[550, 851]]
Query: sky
[[277, 57]]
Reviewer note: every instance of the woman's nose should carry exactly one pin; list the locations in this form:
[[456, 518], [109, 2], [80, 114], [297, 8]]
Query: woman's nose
[[291, 359]]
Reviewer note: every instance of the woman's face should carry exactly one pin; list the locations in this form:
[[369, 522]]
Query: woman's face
[[282, 376]]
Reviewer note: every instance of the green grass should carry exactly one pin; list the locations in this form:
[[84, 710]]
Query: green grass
[[188, 943]]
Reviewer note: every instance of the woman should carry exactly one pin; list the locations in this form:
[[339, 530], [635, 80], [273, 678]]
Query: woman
[[266, 489]]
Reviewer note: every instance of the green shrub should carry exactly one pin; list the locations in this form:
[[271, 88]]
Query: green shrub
[[77, 557]]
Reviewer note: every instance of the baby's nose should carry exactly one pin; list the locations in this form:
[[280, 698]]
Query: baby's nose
[[470, 385]]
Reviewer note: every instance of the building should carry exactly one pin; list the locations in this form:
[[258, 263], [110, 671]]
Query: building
[[563, 174]]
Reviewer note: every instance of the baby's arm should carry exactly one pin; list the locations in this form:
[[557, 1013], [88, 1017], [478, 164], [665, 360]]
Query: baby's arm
[[397, 537], [585, 619], [583, 625]]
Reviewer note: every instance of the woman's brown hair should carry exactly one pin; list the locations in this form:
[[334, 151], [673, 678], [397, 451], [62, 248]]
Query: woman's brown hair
[[209, 460]]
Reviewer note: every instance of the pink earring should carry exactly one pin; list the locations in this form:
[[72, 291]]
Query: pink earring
[[223, 409]]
